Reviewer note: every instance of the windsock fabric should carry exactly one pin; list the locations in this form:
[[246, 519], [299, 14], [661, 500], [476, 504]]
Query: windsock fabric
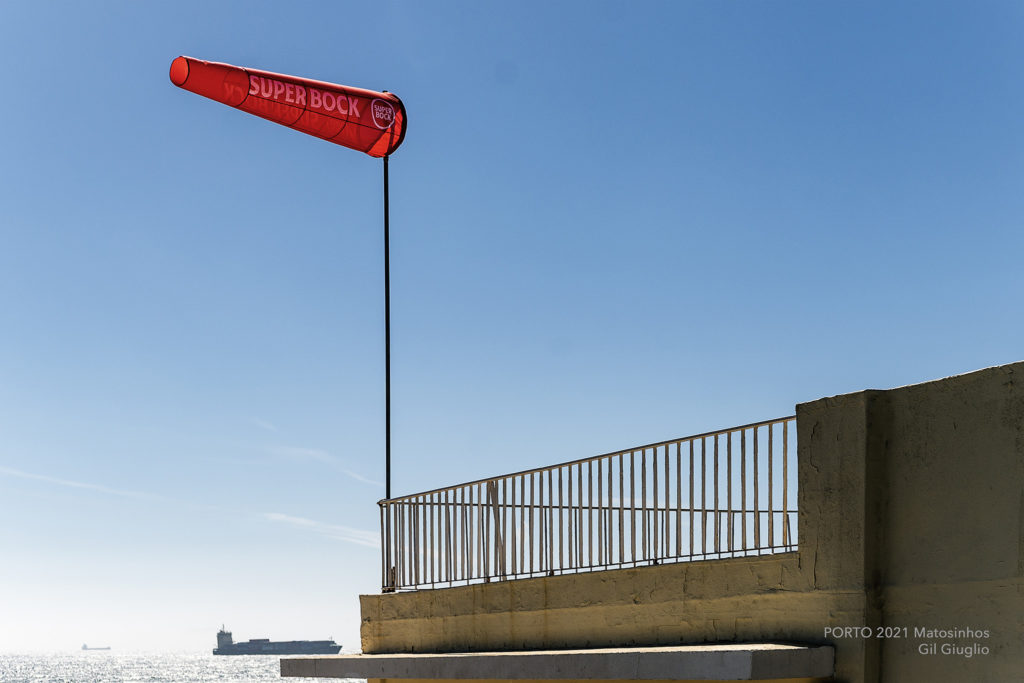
[[364, 120]]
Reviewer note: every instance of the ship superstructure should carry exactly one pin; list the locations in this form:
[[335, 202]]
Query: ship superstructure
[[226, 645]]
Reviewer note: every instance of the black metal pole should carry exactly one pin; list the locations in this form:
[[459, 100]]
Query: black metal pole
[[389, 579], [387, 342]]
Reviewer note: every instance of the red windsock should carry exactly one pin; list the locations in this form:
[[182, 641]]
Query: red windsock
[[364, 120]]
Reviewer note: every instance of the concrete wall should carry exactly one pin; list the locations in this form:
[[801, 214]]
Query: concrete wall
[[919, 497], [661, 605], [949, 522], [911, 515]]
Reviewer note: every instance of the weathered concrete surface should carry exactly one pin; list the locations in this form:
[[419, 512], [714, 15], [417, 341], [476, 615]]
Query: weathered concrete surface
[[734, 662], [916, 495], [836, 541], [950, 529], [648, 606], [911, 514]]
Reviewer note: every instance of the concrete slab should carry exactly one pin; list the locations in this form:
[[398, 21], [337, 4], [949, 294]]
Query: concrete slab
[[742, 662]]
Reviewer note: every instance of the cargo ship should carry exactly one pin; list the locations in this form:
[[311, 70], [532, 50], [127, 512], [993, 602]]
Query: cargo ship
[[264, 646]]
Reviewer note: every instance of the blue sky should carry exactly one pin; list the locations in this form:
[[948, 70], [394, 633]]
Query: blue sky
[[612, 224]]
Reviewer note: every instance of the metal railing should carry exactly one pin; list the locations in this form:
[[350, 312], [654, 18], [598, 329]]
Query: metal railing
[[713, 495]]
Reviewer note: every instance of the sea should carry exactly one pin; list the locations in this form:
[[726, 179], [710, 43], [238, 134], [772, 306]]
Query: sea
[[123, 667]]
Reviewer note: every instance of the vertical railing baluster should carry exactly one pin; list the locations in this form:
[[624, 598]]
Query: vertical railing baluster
[[654, 510], [785, 483], [389, 534], [606, 515], [743, 486], [491, 513], [579, 515], [622, 509], [415, 546], [400, 559], [679, 498], [757, 503], [692, 503], [457, 549], [383, 550], [513, 529], [771, 485], [600, 513], [533, 541], [522, 525], [431, 543], [590, 513], [474, 533], [478, 531], [424, 541], [445, 531], [396, 528], [458, 535], [453, 536], [541, 532], [403, 513], [728, 492], [410, 557], [703, 496], [485, 531], [440, 548], [561, 522], [500, 511], [570, 519], [471, 530], [643, 503], [403, 551], [486, 540], [465, 570], [414, 542], [404, 525], [396, 542], [665, 514], [481, 532], [718, 519], [551, 523], [632, 505], [414, 568]]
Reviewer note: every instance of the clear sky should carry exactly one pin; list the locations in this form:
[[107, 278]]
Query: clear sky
[[612, 223]]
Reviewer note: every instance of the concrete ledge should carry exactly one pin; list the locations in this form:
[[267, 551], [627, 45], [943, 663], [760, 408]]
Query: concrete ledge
[[744, 662]]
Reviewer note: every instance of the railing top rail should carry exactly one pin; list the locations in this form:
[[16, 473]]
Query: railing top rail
[[591, 458]]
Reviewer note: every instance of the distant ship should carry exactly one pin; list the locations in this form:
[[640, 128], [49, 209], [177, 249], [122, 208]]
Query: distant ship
[[264, 646], [86, 647]]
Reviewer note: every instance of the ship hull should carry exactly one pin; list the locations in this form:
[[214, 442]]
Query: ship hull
[[293, 647]]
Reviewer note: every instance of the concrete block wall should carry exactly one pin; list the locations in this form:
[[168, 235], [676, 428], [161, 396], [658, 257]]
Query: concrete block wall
[[911, 508]]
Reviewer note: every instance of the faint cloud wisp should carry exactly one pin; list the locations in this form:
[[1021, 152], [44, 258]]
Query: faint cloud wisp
[[336, 532], [11, 472], [263, 424], [333, 531], [296, 453], [321, 456]]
